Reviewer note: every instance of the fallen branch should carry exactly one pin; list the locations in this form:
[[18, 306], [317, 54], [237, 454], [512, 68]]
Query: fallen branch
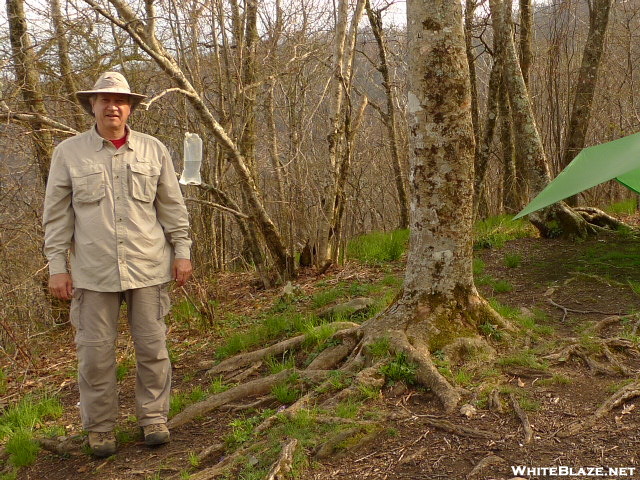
[[524, 419]]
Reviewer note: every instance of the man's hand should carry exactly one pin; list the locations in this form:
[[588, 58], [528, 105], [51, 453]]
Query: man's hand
[[181, 271], [61, 286]]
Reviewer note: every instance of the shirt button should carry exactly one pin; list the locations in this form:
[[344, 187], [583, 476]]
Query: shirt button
[[117, 176]]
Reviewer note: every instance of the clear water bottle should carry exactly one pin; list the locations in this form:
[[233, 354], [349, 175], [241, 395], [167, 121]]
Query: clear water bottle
[[192, 159]]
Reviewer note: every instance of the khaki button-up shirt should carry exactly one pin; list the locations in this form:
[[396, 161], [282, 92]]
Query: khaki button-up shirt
[[119, 212]]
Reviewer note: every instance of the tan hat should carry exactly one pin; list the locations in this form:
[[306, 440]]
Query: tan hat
[[109, 82]]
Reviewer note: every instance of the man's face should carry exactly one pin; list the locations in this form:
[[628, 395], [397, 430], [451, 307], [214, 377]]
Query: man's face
[[112, 111]]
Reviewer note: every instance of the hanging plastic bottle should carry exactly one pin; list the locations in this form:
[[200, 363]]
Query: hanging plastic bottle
[[192, 159]]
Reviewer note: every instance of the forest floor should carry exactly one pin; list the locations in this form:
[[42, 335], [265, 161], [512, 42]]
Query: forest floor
[[585, 295]]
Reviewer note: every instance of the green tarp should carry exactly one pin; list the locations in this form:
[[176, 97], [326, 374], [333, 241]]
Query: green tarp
[[619, 159]]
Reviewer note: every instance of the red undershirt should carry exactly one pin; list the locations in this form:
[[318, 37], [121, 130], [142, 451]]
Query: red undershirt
[[119, 142]]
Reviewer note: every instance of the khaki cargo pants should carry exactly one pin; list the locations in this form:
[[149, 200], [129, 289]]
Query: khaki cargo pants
[[95, 318]]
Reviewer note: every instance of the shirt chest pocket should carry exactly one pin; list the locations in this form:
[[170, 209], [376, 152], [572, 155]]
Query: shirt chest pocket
[[143, 181], [88, 183]]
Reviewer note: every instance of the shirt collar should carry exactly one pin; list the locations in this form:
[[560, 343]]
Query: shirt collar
[[98, 142]]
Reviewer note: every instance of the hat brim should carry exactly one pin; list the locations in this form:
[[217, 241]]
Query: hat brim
[[84, 96]]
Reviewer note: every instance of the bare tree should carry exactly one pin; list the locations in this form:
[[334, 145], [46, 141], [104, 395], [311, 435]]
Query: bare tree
[[389, 117], [27, 76]]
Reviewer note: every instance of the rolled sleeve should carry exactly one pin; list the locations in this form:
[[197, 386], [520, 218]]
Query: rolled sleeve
[[171, 210], [58, 217]]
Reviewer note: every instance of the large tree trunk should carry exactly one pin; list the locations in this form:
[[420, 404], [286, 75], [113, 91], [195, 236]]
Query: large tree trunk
[[375, 20], [558, 219], [27, 77], [439, 303], [586, 84]]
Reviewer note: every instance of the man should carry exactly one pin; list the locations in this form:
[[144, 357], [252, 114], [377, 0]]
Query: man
[[113, 201]]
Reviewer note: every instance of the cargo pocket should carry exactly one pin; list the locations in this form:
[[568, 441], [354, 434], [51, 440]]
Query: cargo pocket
[[164, 301], [74, 310], [88, 183], [144, 181]]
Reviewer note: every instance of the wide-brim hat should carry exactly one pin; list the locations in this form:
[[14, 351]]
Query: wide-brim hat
[[109, 82]]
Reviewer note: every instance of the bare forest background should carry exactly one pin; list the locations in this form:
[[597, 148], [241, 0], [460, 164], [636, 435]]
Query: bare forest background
[[302, 109]]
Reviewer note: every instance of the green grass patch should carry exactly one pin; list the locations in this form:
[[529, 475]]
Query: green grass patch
[[463, 377], [379, 348], [523, 358], [286, 392], [494, 232], [627, 207], [269, 328], [399, 369], [181, 400], [348, 409], [616, 386], [242, 429], [123, 368], [512, 260], [18, 423], [378, 247], [325, 297], [185, 313], [478, 266], [276, 365]]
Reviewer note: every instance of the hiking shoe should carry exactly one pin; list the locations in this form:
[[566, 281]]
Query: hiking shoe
[[156, 434], [102, 444]]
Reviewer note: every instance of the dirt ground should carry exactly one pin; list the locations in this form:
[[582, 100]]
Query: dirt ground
[[568, 286]]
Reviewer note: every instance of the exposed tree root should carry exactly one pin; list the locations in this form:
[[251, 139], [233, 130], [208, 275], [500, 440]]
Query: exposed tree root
[[326, 449], [461, 430], [332, 356], [524, 419], [626, 393], [260, 403], [260, 386], [63, 445], [402, 326], [605, 345], [597, 217], [283, 465], [369, 377], [240, 361], [219, 468], [211, 451], [488, 461], [246, 373]]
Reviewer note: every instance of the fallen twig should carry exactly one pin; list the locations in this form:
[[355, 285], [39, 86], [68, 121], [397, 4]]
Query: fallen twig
[[526, 425]]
